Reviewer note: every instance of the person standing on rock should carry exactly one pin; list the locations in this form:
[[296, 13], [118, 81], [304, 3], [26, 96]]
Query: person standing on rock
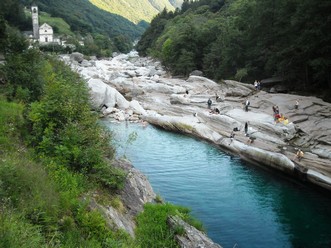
[[255, 84], [259, 85], [296, 104], [277, 110], [246, 128], [232, 136], [209, 102], [247, 103]]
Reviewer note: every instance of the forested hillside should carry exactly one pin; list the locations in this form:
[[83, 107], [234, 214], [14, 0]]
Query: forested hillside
[[84, 17], [246, 39]]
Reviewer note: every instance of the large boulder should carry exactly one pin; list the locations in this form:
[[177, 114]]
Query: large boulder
[[103, 94], [137, 108], [201, 80], [191, 237], [77, 57], [196, 73], [322, 151], [179, 99], [137, 190]]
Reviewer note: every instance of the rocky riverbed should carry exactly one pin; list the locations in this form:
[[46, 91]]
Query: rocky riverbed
[[131, 88], [128, 87]]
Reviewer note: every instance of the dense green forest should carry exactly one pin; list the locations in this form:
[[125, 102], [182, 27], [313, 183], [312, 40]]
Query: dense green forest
[[56, 159], [246, 39]]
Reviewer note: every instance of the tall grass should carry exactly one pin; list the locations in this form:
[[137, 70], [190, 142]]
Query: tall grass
[[11, 120], [40, 193], [41, 203], [152, 228]]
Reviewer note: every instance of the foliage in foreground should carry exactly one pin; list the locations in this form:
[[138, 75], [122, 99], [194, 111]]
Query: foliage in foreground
[[152, 228], [41, 186]]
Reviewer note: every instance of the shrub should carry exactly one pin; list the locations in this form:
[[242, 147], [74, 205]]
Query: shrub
[[25, 74], [11, 120], [15, 232], [152, 229], [64, 128], [158, 199], [117, 204]]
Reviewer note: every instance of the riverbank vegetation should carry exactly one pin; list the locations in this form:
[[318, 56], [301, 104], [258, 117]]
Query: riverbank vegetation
[[248, 40], [55, 157], [152, 229], [53, 154]]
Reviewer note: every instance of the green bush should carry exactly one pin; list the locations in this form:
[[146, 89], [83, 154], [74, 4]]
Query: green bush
[[110, 177], [93, 224], [72, 151], [64, 128], [47, 198], [11, 120], [152, 229], [117, 203], [25, 75]]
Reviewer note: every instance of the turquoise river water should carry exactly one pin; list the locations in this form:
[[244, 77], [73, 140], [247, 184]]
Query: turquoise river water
[[240, 205]]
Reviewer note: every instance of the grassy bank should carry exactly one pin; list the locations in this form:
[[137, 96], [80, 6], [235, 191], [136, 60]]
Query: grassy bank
[[53, 157]]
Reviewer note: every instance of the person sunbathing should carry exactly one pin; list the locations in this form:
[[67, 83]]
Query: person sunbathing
[[299, 155]]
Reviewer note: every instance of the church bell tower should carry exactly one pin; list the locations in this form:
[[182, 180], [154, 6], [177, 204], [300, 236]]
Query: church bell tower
[[35, 21]]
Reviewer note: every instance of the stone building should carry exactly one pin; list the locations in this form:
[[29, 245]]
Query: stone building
[[44, 33]]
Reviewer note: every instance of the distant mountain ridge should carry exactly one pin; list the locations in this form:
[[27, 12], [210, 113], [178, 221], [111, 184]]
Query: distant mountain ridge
[[137, 11]]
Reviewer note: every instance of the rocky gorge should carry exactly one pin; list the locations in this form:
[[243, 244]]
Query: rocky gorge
[[131, 88]]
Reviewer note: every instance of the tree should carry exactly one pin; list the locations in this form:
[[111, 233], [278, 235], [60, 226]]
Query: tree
[[25, 75]]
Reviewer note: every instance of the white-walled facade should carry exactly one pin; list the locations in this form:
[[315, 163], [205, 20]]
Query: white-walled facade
[[45, 33]]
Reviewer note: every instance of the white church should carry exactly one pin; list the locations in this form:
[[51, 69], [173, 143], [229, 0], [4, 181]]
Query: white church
[[44, 34]]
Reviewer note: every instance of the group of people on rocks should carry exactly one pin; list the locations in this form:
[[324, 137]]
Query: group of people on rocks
[[250, 139], [279, 117], [257, 85], [214, 110], [210, 102]]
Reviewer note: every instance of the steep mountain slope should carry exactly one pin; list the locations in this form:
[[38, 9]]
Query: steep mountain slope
[[134, 10]]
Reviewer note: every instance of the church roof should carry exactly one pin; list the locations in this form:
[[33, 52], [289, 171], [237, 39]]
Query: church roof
[[46, 26]]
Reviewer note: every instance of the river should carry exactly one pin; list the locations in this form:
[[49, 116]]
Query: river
[[239, 204]]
